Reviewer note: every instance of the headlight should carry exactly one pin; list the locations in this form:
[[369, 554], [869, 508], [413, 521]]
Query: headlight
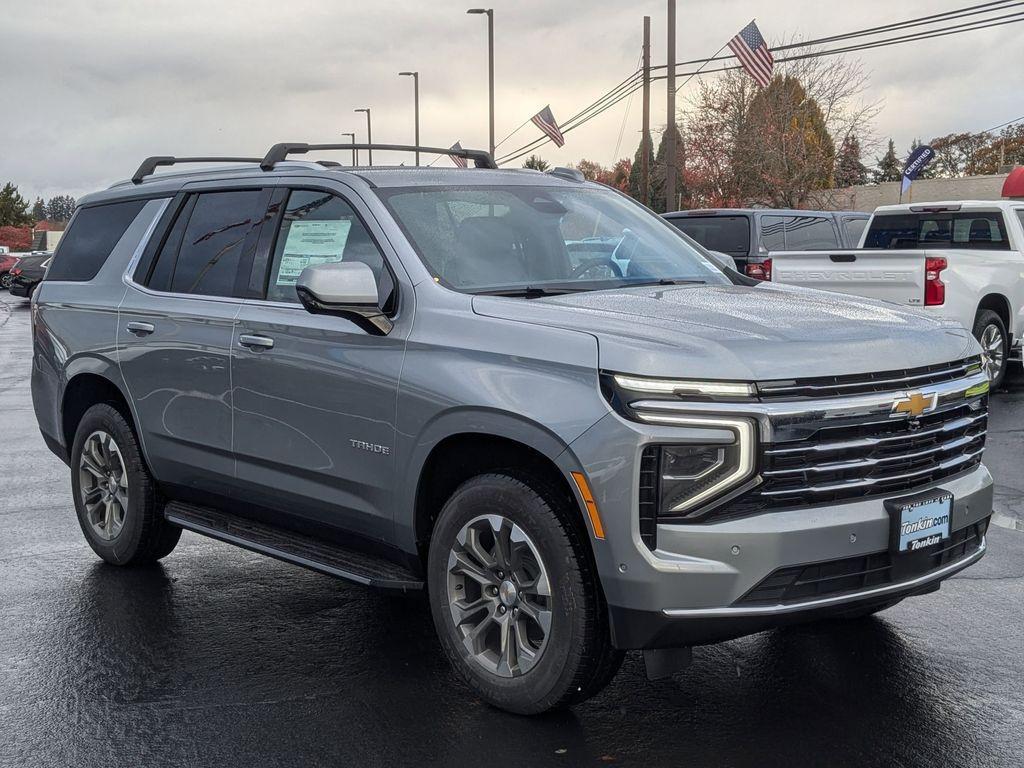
[[692, 477], [685, 387]]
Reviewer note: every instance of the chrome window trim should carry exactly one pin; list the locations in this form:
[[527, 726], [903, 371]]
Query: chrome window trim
[[784, 608]]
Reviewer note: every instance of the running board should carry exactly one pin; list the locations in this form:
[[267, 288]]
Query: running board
[[295, 548]]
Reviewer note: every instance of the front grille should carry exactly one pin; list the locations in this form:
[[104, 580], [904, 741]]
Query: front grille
[[866, 383], [649, 497], [831, 578], [879, 458]]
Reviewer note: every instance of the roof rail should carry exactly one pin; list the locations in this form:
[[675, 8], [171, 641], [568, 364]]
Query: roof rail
[[279, 152], [150, 164]]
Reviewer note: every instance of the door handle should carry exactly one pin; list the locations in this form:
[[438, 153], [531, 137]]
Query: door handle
[[255, 342], [141, 329]]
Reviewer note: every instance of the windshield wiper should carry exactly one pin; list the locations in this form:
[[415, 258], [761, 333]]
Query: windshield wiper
[[664, 281], [529, 292]]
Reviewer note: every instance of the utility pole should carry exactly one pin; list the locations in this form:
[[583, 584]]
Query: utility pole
[[645, 170], [670, 145], [369, 134], [490, 65], [416, 106]]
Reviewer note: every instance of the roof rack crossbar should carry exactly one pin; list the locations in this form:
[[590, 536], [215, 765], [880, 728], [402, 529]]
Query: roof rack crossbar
[[150, 164], [279, 152]]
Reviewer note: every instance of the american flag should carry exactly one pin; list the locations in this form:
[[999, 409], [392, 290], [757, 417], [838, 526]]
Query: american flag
[[546, 122], [459, 161], [752, 52]]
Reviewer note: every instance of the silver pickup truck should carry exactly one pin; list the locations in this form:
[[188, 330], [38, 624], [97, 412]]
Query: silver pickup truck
[[421, 380]]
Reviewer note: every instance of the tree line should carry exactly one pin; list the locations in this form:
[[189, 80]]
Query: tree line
[[781, 146], [16, 211]]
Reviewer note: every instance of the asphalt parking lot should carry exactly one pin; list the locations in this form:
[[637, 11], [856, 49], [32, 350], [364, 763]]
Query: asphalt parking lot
[[222, 657]]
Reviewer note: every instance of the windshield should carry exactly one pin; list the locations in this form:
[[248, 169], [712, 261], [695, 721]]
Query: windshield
[[546, 239]]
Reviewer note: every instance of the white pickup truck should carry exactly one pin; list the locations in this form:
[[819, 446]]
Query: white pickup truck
[[962, 260]]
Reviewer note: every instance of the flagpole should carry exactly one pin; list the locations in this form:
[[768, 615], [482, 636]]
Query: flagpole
[[670, 110]]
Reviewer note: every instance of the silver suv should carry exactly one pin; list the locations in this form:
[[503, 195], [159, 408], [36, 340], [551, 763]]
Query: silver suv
[[522, 393]]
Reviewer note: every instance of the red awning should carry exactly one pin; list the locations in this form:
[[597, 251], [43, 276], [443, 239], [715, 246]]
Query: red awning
[[1014, 184]]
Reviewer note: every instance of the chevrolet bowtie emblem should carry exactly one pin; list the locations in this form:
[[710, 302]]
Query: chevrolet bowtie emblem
[[914, 404]]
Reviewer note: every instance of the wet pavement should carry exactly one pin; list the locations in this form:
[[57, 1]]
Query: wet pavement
[[222, 657]]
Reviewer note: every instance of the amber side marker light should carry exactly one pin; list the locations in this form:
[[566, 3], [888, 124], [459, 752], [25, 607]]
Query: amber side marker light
[[588, 499]]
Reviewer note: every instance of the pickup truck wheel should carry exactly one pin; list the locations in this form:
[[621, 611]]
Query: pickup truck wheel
[[515, 602], [116, 500], [990, 332]]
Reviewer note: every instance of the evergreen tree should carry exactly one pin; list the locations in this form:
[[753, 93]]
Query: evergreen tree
[[887, 167], [39, 209], [850, 171], [60, 208], [635, 188], [13, 207], [659, 171], [536, 162]]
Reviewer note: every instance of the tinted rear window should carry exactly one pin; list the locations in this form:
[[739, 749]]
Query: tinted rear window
[[854, 229], [809, 233], [973, 230], [728, 234], [90, 239]]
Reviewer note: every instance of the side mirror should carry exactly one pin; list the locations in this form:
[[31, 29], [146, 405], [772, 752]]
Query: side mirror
[[345, 289], [723, 260]]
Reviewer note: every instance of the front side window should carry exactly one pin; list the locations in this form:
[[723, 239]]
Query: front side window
[[210, 244], [321, 228], [551, 239]]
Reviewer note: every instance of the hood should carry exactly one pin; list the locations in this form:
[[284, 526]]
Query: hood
[[752, 333]]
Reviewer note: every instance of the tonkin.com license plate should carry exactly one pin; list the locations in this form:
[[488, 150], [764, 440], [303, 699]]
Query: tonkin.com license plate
[[922, 523]]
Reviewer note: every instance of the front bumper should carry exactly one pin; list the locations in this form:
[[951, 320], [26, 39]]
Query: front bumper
[[688, 590]]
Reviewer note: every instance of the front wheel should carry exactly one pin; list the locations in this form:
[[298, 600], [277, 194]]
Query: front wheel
[[115, 497], [6, 280], [514, 599], [990, 331]]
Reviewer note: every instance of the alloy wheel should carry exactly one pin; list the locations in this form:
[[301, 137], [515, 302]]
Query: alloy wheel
[[6, 280], [499, 595], [103, 485], [993, 353]]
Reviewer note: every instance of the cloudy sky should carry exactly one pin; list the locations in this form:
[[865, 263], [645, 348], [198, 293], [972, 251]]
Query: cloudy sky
[[92, 86]]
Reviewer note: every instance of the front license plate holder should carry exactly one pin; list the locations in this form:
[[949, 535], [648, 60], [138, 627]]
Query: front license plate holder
[[918, 526]]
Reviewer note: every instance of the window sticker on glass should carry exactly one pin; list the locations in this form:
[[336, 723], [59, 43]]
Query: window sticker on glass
[[309, 243]]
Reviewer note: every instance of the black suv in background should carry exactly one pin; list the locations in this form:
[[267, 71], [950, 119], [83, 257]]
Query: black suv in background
[[28, 273], [750, 235]]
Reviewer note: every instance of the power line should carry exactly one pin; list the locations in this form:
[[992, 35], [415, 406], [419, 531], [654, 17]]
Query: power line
[[631, 84]]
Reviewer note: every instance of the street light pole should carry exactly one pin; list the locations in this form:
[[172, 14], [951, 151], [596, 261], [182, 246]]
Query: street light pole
[[416, 105], [369, 134], [355, 152], [490, 65]]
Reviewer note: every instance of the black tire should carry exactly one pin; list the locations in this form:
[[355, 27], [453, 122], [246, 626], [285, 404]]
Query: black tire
[[5, 281], [577, 659], [983, 321], [145, 536]]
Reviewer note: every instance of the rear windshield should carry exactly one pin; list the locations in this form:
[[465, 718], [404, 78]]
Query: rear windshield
[[488, 239], [728, 234], [973, 230], [91, 237]]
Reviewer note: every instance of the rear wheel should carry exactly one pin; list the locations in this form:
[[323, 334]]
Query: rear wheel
[[6, 280], [990, 331], [115, 497], [515, 601]]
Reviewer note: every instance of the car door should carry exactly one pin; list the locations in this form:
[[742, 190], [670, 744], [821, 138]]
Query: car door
[[315, 396], [175, 327]]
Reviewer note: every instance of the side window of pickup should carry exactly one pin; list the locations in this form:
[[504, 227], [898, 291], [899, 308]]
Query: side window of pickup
[[320, 228], [210, 245]]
